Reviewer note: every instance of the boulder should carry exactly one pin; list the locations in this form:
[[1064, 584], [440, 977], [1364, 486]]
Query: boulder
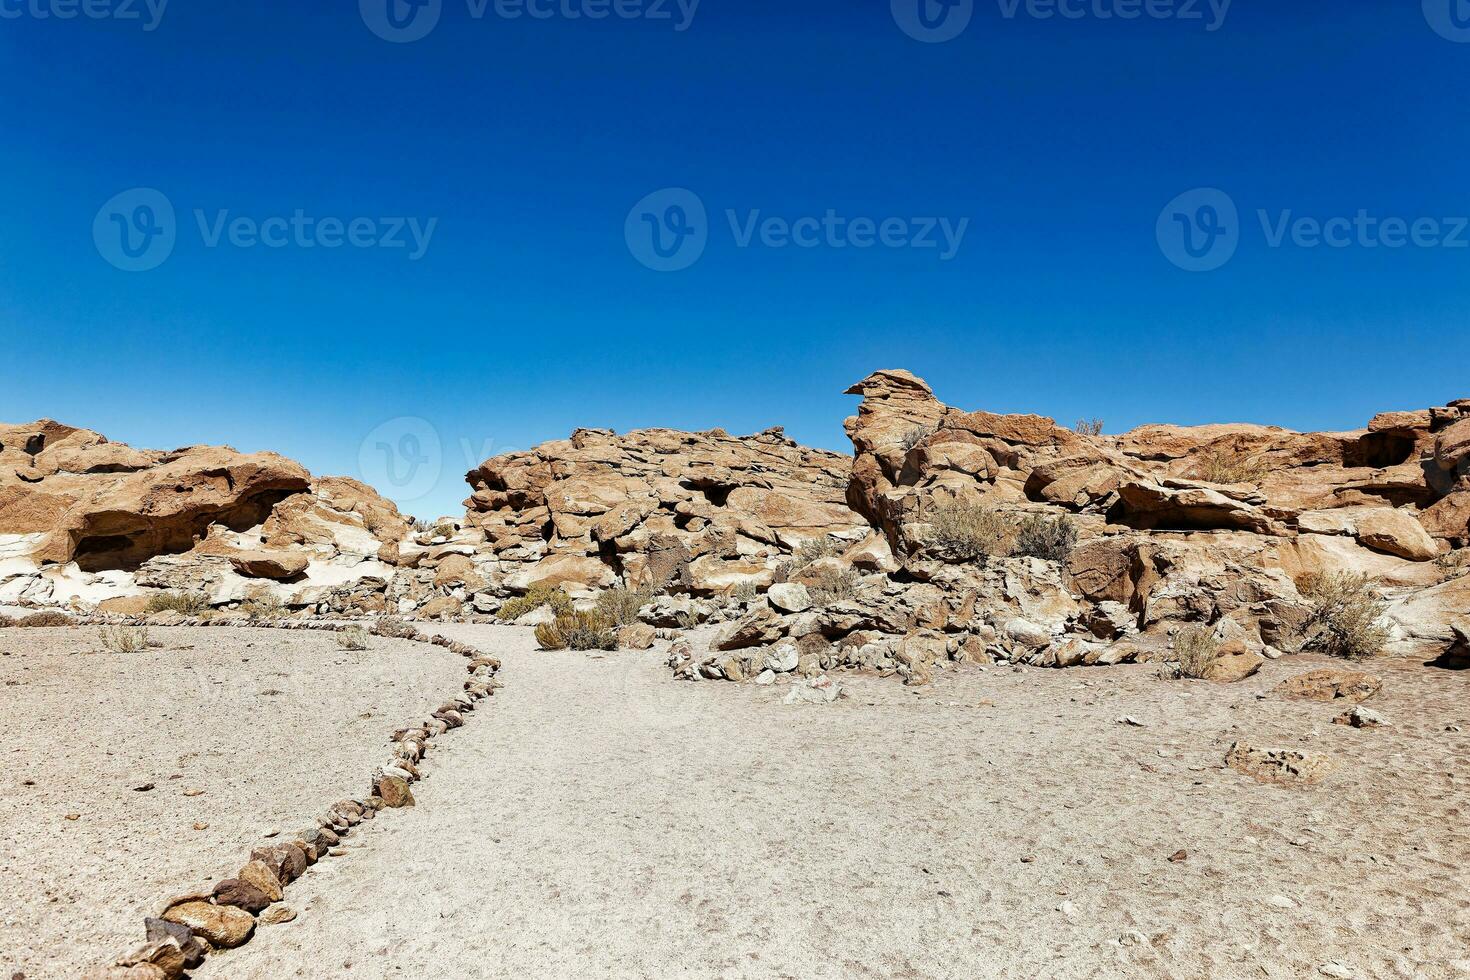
[[1330, 684], [278, 565], [1283, 767], [223, 925], [789, 598]]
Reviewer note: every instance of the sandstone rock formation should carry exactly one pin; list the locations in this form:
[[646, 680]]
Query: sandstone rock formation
[[85, 519]]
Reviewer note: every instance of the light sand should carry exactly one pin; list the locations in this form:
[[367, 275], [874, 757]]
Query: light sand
[[274, 726], [606, 821]]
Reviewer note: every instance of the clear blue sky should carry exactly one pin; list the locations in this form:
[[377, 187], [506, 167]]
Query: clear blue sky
[[529, 140]]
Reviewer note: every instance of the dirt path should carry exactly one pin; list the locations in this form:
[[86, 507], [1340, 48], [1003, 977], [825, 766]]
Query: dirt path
[[608, 821]]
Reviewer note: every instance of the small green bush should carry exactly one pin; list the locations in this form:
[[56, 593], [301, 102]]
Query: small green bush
[[1346, 619], [535, 598], [1049, 538], [186, 603]]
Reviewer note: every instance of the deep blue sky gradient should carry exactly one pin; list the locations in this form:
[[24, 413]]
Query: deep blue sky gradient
[[529, 141]]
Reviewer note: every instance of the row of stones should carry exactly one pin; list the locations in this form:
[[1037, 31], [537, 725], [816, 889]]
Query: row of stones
[[190, 926]]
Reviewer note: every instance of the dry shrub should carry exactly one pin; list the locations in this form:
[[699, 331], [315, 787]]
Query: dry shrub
[[45, 619], [186, 603], [353, 638], [419, 525], [1195, 652], [971, 532], [814, 550], [745, 591], [6, 621], [1085, 427], [536, 597], [394, 628], [578, 631], [1049, 538], [914, 436], [1223, 466], [619, 605], [833, 585], [262, 603], [124, 639], [1346, 616]]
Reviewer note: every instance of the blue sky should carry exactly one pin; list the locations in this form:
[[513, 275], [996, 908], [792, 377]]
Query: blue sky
[[525, 143]]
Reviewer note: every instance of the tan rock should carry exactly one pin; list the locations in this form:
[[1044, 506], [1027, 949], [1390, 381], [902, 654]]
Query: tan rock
[[1330, 684], [261, 876], [394, 792], [277, 915], [277, 565], [1283, 767], [223, 925], [636, 637]]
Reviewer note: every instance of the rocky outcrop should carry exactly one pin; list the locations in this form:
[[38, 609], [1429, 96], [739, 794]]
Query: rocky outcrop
[[84, 520], [699, 513]]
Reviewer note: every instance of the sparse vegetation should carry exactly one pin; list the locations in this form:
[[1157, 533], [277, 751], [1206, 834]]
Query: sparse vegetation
[[420, 525], [395, 628], [1224, 466], [833, 585], [262, 603], [620, 605], [745, 591], [914, 436], [1347, 615], [1088, 427], [578, 631], [1049, 538], [535, 598], [814, 550], [353, 638], [185, 603], [1195, 651], [971, 532], [44, 619], [445, 531], [124, 639]]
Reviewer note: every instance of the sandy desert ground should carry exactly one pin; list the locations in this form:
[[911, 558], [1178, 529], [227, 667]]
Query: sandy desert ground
[[272, 726], [604, 820]]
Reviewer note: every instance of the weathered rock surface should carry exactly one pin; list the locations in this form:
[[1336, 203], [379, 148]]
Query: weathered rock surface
[[1283, 767]]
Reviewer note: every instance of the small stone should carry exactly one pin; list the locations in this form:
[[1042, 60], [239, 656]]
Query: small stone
[[394, 792], [1339, 971], [1132, 938], [277, 914], [1179, 855], [273, 832], [1361, 717], [766, 677], [233, 891], [142, 787], [1067, 909], [223, 925], [1280, 902], [260, 875], [1027, 859], [193, 950], [201, 826], [193, 792], [73, 816], [1131, 721]]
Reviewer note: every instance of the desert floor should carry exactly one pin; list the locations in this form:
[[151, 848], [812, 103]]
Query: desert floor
[[272, 726], [599, 819]]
